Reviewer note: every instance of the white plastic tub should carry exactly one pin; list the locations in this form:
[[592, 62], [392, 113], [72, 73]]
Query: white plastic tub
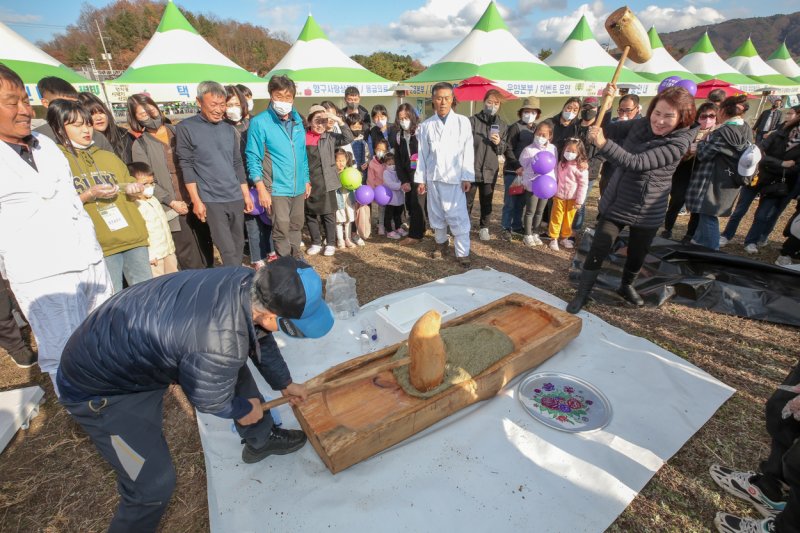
[[403, 314]]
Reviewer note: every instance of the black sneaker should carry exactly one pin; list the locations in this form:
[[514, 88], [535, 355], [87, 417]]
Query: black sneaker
[[506, 235], [281, 442], [666, 234], [24, 358]]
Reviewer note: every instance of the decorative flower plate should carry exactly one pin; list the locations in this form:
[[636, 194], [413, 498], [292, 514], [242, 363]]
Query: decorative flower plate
[[564, 402]]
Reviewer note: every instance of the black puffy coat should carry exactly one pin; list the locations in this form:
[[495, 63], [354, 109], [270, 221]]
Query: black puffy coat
[[193, 328], [638, 191], [486, 163]]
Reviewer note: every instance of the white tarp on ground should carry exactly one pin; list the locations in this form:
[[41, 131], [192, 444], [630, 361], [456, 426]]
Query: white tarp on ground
[[490, 467], [17, 407]]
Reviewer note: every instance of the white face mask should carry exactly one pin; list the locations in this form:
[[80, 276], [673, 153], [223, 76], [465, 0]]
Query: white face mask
[[234, 114], [405, 123], [389, 167], [282, 108], [570, 156], [250, 105], [149, 190], [529, 118], [379, 154], [381, 123], [540, 141], [568, 115]]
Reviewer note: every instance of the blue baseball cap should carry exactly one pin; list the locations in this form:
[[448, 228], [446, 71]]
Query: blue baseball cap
[[291, 289]]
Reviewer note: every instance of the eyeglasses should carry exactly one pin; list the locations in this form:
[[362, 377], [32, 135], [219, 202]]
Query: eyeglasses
[[626, 111], [707, 116]]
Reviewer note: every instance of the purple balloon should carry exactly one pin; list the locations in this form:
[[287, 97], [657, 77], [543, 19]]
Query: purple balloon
[[265, 218], [383, 195], [666, 83], [689, 85], [543, 162], [544, 187], [257, 208], [364, 195]]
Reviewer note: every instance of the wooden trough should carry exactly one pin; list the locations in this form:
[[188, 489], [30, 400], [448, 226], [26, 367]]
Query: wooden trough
[[354, 422]]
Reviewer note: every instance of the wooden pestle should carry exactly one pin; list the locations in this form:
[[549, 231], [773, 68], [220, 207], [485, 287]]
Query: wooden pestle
[[427, 352]]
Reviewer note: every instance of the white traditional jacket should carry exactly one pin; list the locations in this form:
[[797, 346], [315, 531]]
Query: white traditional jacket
[[446, 152]]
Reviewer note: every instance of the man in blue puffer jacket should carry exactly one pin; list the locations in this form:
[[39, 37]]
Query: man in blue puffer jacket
[[276, 155], [196, 328]]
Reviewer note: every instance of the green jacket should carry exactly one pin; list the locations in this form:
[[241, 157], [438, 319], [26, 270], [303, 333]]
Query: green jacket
[[94, 166]]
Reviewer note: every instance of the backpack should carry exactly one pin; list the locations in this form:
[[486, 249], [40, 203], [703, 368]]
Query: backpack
[[726, 167]]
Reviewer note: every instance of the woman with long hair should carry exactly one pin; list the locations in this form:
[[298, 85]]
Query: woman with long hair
[[103, 122], [406, 148]]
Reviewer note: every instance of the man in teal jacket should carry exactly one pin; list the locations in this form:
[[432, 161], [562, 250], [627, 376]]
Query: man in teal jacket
[[278, 165]]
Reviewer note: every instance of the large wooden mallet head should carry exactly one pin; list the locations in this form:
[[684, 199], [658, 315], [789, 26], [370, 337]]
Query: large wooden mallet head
[[427, 352], [626, 31]]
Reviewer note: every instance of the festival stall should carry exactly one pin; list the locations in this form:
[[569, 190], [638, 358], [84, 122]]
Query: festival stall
[[581, 57], [32, 64], [491, 51], [704, 62], [747, 61], [781, 60], [662, 64], [175, 60], [321, 69]]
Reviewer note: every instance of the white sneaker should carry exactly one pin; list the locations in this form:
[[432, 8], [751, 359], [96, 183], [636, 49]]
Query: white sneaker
[[359, 241], [536, 240], [553, 245], [314, 249], [723, 241], [527, 240], [483, 234], [751, 248], [566, 243], [762, 244], [381, 230], [340, 244], [329, 251], [783, 260]]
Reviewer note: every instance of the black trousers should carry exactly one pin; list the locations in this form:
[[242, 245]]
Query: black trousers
[[783, 462], [607, 232], [415, 205], [10, 335], [226, 222], [193, 247], [677, 195], [485, 191], [392, 217], [328, 221]]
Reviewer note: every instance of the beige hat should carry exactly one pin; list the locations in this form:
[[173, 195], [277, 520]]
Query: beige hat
[[316, 108], [530, 103]]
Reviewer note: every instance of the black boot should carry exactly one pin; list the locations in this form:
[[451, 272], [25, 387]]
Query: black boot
[[626, 289], [280, 442], [585, 284]]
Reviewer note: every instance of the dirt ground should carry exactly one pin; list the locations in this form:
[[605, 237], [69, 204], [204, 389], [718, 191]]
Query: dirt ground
[[52, 479]]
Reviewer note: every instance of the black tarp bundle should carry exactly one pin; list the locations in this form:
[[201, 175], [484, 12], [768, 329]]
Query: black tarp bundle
[[698, 277]]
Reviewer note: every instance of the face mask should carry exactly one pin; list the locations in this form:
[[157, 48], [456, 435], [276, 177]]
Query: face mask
[[540, 141], [151, 123], [491, 109], [250, 105], [589, 114], [529, 118], [389, 167], [352, 105], [282, 108], [149, 190], [381, 123], [405, 123], [379, 154], [568, 115], [707, 123], [570, 156], [234, 114]]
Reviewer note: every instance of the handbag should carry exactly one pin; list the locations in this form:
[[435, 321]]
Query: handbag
[[516, 188], [776, 189]]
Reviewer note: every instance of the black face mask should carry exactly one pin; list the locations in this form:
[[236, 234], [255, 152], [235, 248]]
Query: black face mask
[[151, 123], [589, 114]]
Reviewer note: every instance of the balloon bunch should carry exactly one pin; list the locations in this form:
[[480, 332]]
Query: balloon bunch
[[258, 210], [677, 81], [381, 195], [543, 186]]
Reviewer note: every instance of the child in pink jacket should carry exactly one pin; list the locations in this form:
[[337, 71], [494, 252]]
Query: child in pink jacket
[[374, 178], [571, 193]]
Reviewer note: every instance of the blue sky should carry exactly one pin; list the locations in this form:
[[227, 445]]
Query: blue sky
[[426, 29]]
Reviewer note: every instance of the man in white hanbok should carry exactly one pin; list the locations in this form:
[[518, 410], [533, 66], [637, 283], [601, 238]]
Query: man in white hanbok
[[48, 248], [445, 171]]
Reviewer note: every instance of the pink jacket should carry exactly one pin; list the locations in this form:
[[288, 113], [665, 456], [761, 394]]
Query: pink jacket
[[375, 173], [526, 159], [572, 182]]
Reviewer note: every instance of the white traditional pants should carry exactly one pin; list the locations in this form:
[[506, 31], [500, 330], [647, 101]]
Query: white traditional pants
[[55, 306], [447, 206]]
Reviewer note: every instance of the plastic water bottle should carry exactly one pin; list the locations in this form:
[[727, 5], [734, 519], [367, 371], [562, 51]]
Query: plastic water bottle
[[368, 337]]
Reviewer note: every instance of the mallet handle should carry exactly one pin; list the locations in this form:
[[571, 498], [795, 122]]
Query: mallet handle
[[346, 380], [607, 100]]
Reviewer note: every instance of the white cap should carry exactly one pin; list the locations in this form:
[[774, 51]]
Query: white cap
[[748, 162]]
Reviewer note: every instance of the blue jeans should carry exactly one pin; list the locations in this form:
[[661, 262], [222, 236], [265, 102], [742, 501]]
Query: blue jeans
[[764, 219], [259, 237], [577, 224], [707, 233], [512, 206], [746, 197], [134, 263]]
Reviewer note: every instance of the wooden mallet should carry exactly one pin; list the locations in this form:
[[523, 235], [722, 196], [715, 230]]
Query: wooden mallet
[[426, 359], [630, 36]]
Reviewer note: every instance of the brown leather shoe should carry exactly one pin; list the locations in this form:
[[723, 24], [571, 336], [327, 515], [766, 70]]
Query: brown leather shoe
[[409, 241], [439, 250], [465, 262]]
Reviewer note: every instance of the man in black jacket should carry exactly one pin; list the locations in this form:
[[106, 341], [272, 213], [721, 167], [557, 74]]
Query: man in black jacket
[[769, 120], [196, 328], [352, 101]]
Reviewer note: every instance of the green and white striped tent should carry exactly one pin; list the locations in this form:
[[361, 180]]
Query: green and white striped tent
[[781, 60], [319, 68], [32, 64], [175, 60], [705, 63], [747, 61], [662, 64], [491, 51]]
